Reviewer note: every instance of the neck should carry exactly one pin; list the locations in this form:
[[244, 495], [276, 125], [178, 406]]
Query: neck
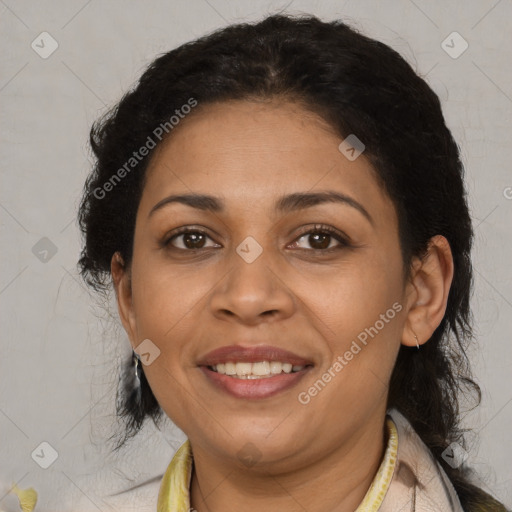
[[336, 482]]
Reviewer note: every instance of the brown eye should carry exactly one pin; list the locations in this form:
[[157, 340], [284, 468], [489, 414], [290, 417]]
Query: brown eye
[[188, 240], [193, 240], [320, 239]]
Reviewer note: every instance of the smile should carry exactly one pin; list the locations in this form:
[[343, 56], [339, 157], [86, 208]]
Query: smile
[[255, 372], [258, 370]]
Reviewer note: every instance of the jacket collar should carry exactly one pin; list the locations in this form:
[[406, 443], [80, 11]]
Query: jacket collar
[[419, 482]]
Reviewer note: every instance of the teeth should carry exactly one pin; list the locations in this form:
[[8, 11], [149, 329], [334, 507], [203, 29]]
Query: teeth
[[276, 367], [261, 369], [229, 369], [243, 368]]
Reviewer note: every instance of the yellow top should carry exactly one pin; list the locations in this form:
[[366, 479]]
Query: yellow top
[[174, 495]]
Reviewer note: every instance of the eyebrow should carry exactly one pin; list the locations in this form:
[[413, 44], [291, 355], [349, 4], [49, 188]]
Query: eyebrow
[[285, 204]]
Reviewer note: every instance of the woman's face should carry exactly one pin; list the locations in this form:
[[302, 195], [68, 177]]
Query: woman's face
[[257, 282]]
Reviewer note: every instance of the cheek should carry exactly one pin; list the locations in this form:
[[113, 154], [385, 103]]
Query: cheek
[[363, 345], [166, 315], [166, 299], [177, 399], [356, 295], [361, 312], [166, 305]]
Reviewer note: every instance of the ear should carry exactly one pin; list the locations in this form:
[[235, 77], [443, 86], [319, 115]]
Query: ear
[[122, 285], [428, 289]]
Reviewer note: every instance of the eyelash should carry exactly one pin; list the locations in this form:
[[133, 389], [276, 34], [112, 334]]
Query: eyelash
[[317, 229]]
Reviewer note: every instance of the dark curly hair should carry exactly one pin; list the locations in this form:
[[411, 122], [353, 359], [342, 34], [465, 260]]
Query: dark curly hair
[[358, 85]]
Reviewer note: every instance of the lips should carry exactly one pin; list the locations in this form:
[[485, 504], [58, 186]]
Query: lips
[[247, 385], [237, 353]]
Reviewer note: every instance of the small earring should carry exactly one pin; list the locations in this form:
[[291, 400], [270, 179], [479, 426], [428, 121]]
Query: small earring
[[130, 397], [136, 360], [416, 337]]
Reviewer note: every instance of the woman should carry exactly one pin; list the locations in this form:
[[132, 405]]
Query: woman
[[280, 208]]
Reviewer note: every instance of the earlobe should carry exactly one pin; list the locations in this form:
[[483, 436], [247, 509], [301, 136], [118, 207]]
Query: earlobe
[[429, 288], [123, 289]]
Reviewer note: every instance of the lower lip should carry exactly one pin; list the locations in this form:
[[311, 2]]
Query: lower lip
[[254, 388]]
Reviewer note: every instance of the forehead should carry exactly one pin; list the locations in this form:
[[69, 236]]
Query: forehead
[[251, 152]]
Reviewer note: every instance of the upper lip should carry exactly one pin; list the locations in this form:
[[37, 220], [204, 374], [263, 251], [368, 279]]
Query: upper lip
[[235, 353]]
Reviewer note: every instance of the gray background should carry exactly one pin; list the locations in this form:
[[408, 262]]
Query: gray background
[[60, 350]]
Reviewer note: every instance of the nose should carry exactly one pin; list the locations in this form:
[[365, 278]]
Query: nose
[[252, 292]]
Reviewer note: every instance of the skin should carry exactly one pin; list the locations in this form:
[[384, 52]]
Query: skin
[[316, 457]]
